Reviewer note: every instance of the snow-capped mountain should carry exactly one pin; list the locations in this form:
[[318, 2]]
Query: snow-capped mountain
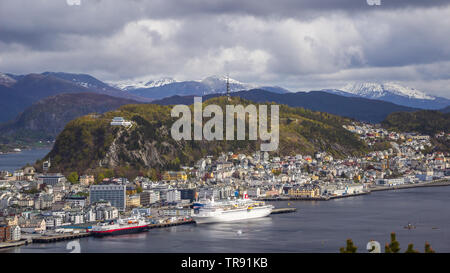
[[392, 92], [167, 87], [129, 85], [6, 80], [378, 90], [217, 84]]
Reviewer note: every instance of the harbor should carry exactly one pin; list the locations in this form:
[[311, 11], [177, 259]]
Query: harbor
[[314, 227], [53, 237]]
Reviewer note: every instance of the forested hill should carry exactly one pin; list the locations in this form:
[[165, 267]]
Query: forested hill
[[90, 142], [425, 121], [45, 119]]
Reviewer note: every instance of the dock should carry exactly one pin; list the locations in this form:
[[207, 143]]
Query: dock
[[57, 238], [292, 198], [14, 244], [177, 223], [283, 210]]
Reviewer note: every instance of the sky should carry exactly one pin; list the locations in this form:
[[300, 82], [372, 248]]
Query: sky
[[296, 44]]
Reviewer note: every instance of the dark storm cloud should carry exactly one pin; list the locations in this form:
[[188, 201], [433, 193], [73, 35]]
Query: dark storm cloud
[[285, 42]]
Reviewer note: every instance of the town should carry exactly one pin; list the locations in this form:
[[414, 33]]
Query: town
[[35, 205]]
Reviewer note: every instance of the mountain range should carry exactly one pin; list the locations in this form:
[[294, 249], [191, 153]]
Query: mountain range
[[370, 102], [17, 92], [166, 87], [362, 109], [45, 119], [391, 92]]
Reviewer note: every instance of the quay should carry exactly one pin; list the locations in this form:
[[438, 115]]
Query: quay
[[348, 195], [290, 198], [435, 183], [283, 210], [177, 223], [57, 238], [14, 244]]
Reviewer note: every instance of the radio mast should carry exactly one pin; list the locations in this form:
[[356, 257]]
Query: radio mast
[[228, 88]]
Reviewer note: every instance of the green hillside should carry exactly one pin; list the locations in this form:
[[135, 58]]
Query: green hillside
[[91, 143], [424, 122]]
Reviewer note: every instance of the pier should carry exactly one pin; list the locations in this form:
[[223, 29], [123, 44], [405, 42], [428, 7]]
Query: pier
[[14, 244], [291, 198], [57, 238], [435, 183], [177, 223], [283, 210]]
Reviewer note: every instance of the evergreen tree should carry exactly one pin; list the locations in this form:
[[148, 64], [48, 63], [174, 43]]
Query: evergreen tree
[[100, 177], [73, 177], [428, 248], [394, 246], [411, 249], [349, 248]]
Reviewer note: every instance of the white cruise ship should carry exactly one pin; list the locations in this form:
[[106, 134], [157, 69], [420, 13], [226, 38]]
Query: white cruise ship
[[230, 210]]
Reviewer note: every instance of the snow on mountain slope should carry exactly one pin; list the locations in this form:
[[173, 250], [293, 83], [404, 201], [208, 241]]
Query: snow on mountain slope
[[391, 92], [217, 84], [128, 85], [377, 90], [6, 80]]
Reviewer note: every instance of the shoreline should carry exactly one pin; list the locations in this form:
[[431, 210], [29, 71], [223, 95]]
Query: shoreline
[[27, 148], [436, 183]]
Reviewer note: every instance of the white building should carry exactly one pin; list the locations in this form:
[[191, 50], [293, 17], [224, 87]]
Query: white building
[[354, 189], [15, 233], [173, 196], [178, 212], [391, 182], [120, 121]]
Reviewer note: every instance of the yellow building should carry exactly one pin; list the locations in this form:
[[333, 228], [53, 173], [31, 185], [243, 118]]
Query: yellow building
[[175, 176], [87, 180], [133, 201], [304, 192]]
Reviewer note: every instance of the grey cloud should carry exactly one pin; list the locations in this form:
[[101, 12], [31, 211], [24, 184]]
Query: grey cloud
[[296, 44]]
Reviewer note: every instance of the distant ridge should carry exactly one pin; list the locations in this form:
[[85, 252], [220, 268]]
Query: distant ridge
[[17, 92], [368, 110], [392, 92], [46, 118]]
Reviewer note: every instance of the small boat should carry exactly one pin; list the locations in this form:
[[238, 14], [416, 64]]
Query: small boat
[[409, 226]]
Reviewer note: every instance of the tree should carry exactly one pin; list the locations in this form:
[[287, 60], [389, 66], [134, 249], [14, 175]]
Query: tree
[[73, 177], [411, 249], [349, 248], [394, 246], [100, 177], [428, 248]]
